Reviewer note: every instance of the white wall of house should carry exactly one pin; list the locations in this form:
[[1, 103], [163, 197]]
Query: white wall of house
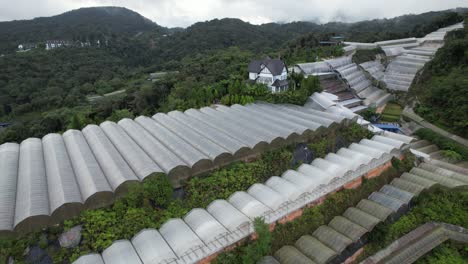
[[252, 76]]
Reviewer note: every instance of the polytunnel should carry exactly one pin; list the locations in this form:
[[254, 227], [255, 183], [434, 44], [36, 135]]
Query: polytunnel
[[151, 247], [352, 230], [314, 249], [290, 255], [366, 220], [9, 155], [252, 140], [208, 229], [249, 206], [283, 187], [64, 194], [441, 171], [314, 127], [218, 154], [386, 201], [193, 157], [284, 132], [268, 196], [375, 209], [300, 181], [95, 189], [300, 130], [32, 199], [248, 126], [233, 145], [90, 259], [417, 180], [407, 186], [181, 238], [231, 218], [331, 238], [136, 158], [397, 193], [116, 169], [169, 162], [268, 260], [451, 183], [121, 252]]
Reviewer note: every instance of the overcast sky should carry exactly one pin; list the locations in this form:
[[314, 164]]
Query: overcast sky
[[182, 13]]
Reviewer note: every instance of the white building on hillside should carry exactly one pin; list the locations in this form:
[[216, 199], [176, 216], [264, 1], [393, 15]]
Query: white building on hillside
[[272, 72]]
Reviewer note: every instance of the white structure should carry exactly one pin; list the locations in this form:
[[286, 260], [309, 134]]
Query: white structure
[[272, 72]]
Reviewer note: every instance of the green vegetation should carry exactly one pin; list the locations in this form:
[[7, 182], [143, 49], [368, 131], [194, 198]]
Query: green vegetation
[[150, 204], [61, 103], [391, 113], [253, 251], [442, 89], [446, 253], [445, 144], [312, 218], [46, 91], [439, 204], [362, 56], [307, 49]]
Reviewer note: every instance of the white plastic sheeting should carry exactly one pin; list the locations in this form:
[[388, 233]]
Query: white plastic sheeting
[[202, 233], [151, 247], [59, 175], [121, 252], [9, 154]]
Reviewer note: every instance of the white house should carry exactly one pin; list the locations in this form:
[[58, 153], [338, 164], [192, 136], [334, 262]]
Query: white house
[[272, 72]]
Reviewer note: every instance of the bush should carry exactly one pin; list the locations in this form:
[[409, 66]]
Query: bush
[[439, 204], [252, 252], [362, 56], [442, 142], [451, 156], [313, 217]]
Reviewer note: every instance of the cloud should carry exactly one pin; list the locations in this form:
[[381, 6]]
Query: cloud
[[183, 13]]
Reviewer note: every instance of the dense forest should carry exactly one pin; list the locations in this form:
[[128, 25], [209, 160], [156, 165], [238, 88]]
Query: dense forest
[[47, 91], [442, 89]]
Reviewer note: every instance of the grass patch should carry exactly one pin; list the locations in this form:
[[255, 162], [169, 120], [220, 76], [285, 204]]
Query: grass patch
[[391, 113]]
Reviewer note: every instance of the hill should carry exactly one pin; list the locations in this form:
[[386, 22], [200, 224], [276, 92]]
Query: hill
[[442, 88], [81, 24]]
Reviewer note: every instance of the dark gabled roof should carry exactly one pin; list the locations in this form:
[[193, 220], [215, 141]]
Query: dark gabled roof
[[279, 83], [255, 66], [274, 65]]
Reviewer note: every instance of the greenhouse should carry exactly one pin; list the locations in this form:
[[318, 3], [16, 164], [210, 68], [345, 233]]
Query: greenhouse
[[339, 240], [202, 233], [90, 168]]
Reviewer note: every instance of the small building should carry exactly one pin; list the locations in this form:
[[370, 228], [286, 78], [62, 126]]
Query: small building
[[53, 44], [333, 41], [272, 72], [26, 46]]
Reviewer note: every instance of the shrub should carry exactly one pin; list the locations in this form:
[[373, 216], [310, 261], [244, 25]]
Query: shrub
[[452, 156], [442, 142], [252, 252]]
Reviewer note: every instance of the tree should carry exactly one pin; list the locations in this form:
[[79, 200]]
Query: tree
[[255, 251], [311, 84], [75, 122], [118, 115]]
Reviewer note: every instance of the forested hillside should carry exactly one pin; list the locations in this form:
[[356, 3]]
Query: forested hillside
[[85, 24], [45, 91], [442, 89]]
